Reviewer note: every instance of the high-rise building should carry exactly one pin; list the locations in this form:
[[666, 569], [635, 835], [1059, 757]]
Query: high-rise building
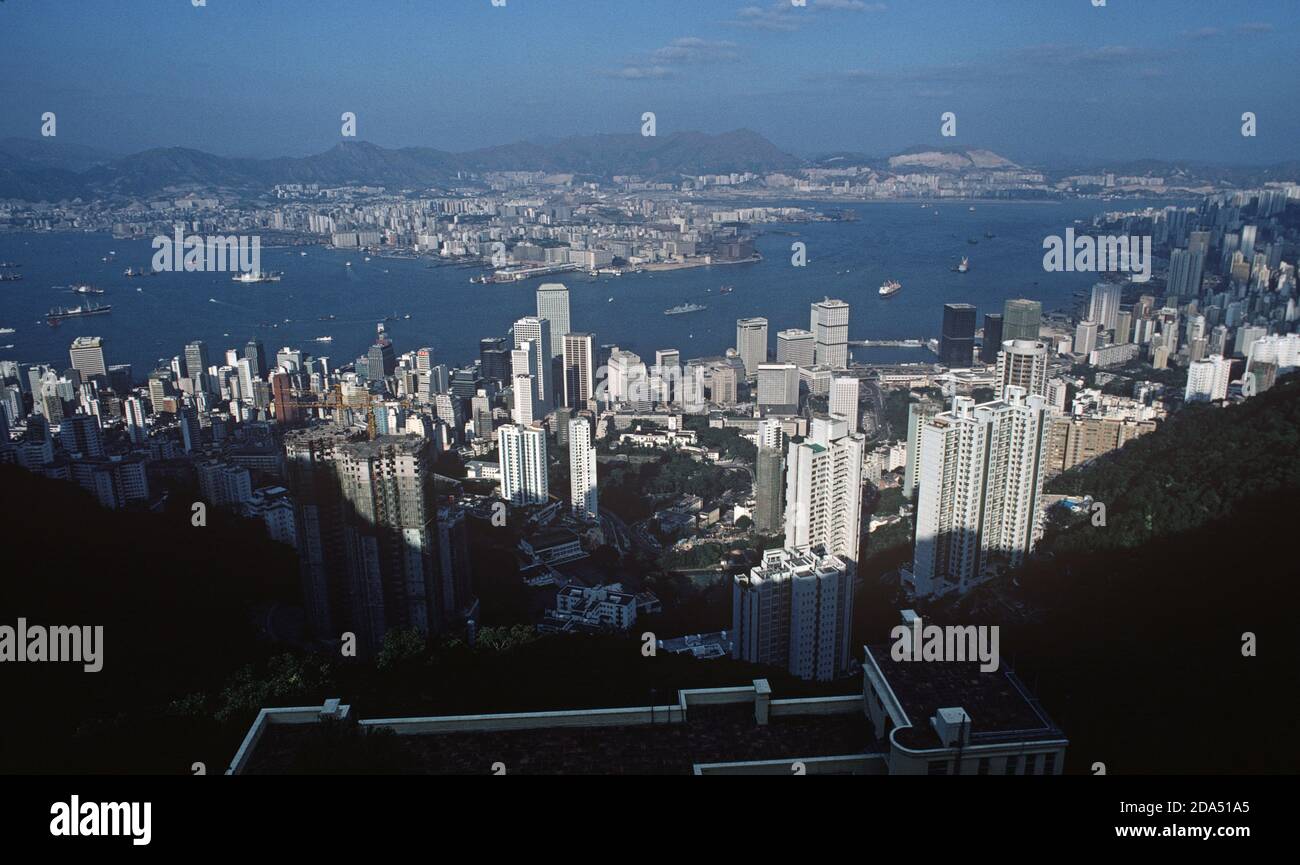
[[778, 388], [137, 429], [795, 611], [523, 464], [526, 407], [1022, 363], [992, 341], [579, 369], [553, 305], [823, 490], [918, 414], [312, 476], [196, 366], [980, 486], [381, 360], [751, 343], [627, 381], [829, 322], [538, 331], [582, 470], [494, 359], [1021, 319], [844, 400], [957, 338], [80, 434], [256, 356], [388, 537], [87, 354], [455, 574], [1085, 337], [668, 373], [1104, 304], [1207, 380], [796, 346], [481, 412], [769, 478]]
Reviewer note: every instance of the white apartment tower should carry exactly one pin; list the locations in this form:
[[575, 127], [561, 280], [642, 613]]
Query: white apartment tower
[[979, 485], [1207, 380], [844, 399], [523, 464], [823, 490], [582, 470], [1022, 363], [553, 305], [751, 343]]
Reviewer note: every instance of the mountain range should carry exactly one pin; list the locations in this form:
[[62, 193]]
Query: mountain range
[[48, 170]]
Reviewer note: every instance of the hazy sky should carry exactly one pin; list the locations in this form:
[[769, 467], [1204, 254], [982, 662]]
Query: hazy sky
[[1033, 79]]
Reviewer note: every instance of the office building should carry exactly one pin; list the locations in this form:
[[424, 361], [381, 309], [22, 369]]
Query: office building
[[87, 355], [537, 331], [829, 322], [751, 343], [796, 346], [991, 344], [844, 400], [957, 337], [1021, 319], [778, 388], [579, 369], [553, 305], [1103, 307]]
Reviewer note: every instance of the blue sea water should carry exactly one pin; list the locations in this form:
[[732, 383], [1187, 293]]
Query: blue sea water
[[153, 317]]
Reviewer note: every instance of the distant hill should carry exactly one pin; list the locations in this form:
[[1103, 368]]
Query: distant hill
[[175, 168]]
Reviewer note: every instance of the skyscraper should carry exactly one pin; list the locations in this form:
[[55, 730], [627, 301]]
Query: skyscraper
[[1085, 338], [1022, 363], [769, 478], [582, 470], [494, 359], [668, 374], [256, 356], [87, 355], [523, 464], [957, 339], [796, 346], [1021, 319], [1103, 306], [992, 342], [830, 326], [196, 366], [823, 490], [918, 414], [844, 400], [795, 611], [980, 486], [387, 536], [751, 343], [1207, 380], [553, 305], [579, 368], [538, 331], [778, 388]]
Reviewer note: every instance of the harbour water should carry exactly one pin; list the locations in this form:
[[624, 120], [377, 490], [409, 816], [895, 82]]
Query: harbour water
[[154, 316]]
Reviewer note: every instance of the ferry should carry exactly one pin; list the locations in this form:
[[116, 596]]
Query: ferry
[[86, 289], [257, 276], [890, 288], [683, 308], [7, 330], [324, 339]]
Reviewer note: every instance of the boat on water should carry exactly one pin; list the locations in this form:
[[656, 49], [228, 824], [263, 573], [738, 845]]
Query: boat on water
[[9, 264], [86, 289], [10, 277], [324, 339], [7, 330], [257, 276], [963, 267], [132, 273], [611, 300], [890, 287], [988, 235], [972, 240], [726, 289], [972, 210], [683, 308], [59, 313]]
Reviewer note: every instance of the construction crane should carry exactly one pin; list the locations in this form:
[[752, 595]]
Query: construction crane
[[335, 401]]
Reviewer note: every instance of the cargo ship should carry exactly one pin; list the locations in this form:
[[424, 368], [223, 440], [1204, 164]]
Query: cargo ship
[[683, 308], [890, 287], [59, 313], [256, 276]]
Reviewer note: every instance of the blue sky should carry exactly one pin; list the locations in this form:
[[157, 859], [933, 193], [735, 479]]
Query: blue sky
[[1033, 79]]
